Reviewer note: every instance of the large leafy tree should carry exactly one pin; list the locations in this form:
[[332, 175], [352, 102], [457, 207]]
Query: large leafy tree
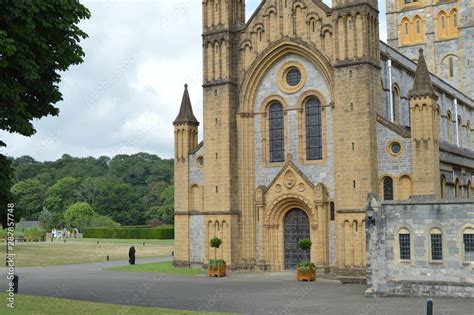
[[78, 215], [29, 195], [38, 40], [62, 194]]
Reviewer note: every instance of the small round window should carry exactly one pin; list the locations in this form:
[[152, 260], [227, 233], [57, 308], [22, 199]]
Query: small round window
[[293, 76], [395, 148], [200, 161]]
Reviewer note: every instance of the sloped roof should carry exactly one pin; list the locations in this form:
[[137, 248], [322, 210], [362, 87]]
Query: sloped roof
[[186, 114], [422, 86]]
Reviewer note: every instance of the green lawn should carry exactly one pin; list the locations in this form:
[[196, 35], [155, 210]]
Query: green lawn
[[37, 305], [86, 250], [162, 267]]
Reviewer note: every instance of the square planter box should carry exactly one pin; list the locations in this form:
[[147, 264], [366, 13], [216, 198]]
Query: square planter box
[[305, 276], [217, 272]]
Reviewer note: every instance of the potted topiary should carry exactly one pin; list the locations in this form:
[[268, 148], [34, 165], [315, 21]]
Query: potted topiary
[[217, 267], [306, 270]]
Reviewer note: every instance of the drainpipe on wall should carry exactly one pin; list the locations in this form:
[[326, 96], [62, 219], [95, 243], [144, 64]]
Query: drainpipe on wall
[[457, 123], [389, 64]]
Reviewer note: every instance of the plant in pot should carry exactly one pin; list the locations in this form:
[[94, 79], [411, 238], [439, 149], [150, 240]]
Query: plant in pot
[[306, 270], [217, 267]]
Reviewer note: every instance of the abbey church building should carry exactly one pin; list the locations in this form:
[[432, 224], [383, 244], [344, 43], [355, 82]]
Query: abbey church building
[[306, 113]]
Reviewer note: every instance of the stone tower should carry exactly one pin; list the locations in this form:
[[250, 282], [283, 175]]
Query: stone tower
[[424, 133], [443, 29], [220, 22], [185, 139], [357, 97]]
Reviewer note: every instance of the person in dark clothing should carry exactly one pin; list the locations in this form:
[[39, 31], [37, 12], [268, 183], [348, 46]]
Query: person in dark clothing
[[131, 255]]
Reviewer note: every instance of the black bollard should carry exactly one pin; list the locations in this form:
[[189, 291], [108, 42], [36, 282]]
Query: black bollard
[[172, 253], [429, 307], [107, 258], [143, 243], [97, 242], [15, 284], [64, 241]]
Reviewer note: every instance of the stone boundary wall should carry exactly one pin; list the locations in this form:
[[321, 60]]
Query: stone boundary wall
[[388, 275]]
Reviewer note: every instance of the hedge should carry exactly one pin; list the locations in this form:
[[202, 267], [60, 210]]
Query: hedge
[[165, 233]]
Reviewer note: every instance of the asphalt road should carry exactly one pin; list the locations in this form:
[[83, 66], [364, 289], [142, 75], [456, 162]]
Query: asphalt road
[[250, 293]]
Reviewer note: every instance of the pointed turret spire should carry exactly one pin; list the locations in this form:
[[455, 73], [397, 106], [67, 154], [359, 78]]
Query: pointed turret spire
[[186, 114], [422, 85]]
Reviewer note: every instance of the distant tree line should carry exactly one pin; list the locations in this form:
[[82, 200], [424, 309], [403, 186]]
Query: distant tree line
[[78, 192]]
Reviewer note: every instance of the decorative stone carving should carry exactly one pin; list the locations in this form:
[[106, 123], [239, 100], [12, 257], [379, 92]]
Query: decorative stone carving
[[301, 187], [278, 188], [290, 179]]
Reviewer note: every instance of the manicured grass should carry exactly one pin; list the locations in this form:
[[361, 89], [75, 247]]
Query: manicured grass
[[38, 305], [75, 251], [162, 267]]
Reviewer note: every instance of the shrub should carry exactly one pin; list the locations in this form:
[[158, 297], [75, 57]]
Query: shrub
[[3, 232], [306, 266], [305, 244], [102, 221], [216, 242], [215, 263], [162, 233]]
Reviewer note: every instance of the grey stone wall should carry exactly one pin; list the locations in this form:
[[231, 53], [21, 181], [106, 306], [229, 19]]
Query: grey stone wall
[[436, 51], [388, 163], [388, 275], [321, 173], [196, 175], [196, 238]]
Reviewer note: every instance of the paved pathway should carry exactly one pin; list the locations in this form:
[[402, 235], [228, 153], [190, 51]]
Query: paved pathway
[[241, 292]]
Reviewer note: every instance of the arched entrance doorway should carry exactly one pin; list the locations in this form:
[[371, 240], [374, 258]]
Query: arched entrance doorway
[[296, 229]]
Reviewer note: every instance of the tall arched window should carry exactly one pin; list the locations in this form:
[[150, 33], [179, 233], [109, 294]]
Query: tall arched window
[[448, 126], [468, 135], [441, 29], [457, 189], [395, 102], [453, 23], [468, 189], [405, 31], [387, 188], [443, 187], [314, 143], [276, 133], [418, 32]]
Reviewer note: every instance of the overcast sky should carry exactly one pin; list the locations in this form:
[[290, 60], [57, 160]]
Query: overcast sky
[[125, 95]]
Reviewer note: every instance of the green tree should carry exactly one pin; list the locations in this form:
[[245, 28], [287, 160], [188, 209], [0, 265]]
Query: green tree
[[38, 40], [120, 202], [165, 211], [45, 218], [62, 194], [29, 196], [78, 215]]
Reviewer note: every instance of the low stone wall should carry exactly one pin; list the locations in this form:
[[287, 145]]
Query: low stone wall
[[389, 275]]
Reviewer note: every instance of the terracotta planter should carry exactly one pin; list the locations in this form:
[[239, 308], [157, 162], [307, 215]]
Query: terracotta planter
[[305, 276], [216, 272]]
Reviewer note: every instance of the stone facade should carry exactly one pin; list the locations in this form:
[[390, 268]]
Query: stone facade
[[419, 274], [231, 186], [444, 29]]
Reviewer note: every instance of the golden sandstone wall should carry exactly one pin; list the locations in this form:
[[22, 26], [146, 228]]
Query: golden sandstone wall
[[343, 44]]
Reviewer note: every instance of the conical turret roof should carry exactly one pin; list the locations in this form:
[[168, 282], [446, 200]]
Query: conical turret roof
[[422, 86], [186, 114]]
